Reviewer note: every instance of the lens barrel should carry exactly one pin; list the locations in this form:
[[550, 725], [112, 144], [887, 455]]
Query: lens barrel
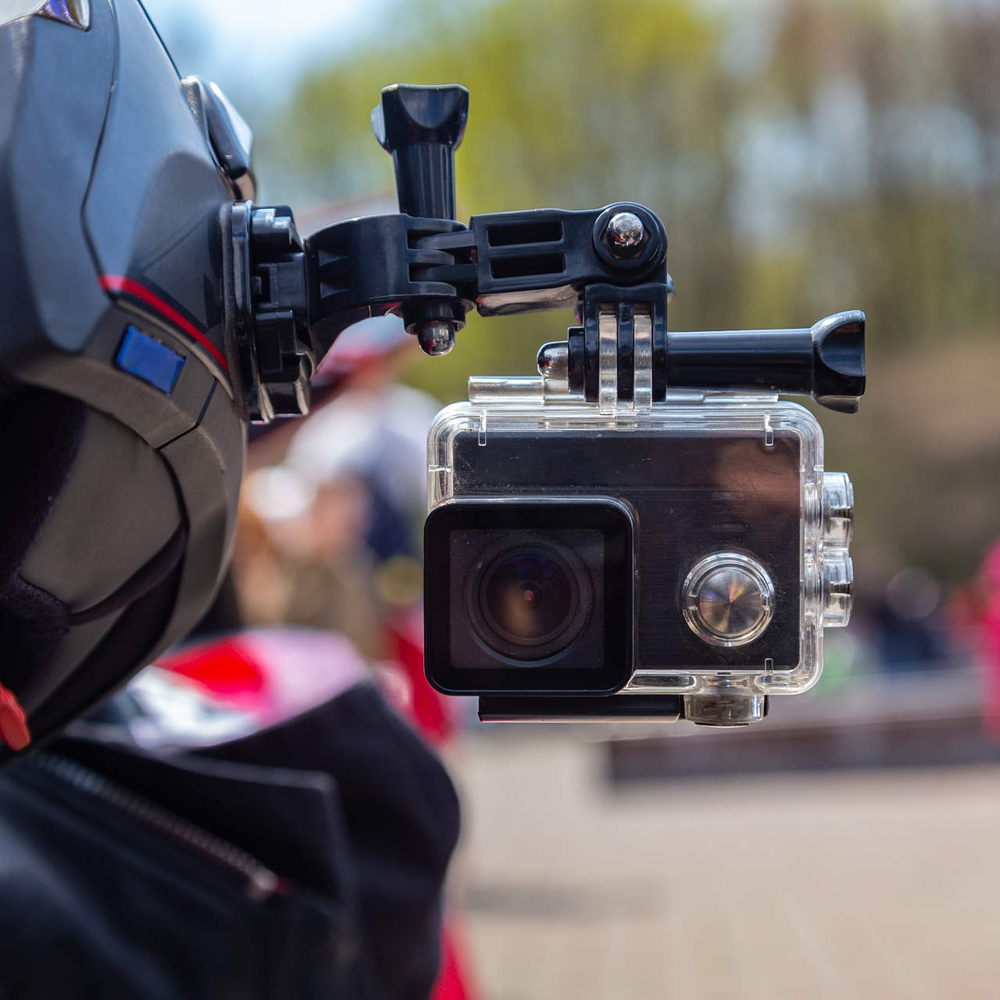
[[529, 599]]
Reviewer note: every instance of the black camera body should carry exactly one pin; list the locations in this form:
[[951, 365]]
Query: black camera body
[[692, 548]]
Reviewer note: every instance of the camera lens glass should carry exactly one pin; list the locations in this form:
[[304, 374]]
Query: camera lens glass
[[529, 596], [530, 600]]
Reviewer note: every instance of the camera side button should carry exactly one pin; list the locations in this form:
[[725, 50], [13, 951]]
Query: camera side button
[[728, 599], [838, 509], [838, 584]]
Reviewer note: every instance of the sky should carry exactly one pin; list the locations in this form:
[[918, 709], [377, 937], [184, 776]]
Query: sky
[[257, 49]]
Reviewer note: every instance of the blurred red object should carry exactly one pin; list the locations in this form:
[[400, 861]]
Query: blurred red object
[[453, 980], [270, 673], [429, 711], [989, 637], [975, 615]]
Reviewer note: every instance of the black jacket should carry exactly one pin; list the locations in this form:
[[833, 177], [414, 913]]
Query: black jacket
[[303, 861]]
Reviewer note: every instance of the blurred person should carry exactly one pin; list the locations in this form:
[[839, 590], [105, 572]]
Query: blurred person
[[375, 433], [305, 563], [375, 430], [910, 633], [975, 615], [337, 519]]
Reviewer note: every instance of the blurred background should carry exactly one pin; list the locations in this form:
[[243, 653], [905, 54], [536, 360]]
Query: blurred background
[[806, 158]]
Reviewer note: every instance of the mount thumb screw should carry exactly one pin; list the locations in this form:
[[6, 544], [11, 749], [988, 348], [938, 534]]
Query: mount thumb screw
[[436, 336], [624, 234]]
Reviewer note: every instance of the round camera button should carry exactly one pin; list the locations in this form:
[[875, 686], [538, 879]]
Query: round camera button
[[728, 599]]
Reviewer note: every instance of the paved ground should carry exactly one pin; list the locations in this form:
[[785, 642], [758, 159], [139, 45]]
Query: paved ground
[[848, 885]]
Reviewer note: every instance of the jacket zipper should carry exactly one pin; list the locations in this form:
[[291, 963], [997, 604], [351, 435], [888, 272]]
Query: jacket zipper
[[261, 881]]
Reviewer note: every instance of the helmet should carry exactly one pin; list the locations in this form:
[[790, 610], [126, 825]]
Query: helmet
[[122, 444]]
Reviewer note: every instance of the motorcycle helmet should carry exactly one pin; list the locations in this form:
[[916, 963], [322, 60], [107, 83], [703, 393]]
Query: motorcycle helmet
[[123, 438]]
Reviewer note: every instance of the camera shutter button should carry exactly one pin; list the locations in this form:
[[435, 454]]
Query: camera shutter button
[[728, 599]]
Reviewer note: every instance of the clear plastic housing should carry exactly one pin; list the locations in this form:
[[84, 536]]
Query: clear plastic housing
[[530, 409]]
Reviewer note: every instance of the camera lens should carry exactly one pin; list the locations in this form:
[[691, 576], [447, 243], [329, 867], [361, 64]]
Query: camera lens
[[529, 596], [530, 600]]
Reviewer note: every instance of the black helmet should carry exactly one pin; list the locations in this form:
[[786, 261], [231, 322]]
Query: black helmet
[[122, 444]]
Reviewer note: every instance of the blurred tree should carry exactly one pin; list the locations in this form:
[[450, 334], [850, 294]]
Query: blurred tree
[[572, 105], [806, 157]]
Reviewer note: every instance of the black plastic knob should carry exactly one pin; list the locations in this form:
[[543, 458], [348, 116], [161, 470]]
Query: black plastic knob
[[839, 360], [422, 127], [825, 361]]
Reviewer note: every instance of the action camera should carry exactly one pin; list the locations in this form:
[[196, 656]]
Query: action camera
[[692, 548]]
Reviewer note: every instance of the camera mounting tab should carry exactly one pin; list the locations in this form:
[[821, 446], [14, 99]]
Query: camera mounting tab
[[270, 349]]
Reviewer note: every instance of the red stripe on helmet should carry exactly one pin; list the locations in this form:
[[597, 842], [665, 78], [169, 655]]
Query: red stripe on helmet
[[129, 286]]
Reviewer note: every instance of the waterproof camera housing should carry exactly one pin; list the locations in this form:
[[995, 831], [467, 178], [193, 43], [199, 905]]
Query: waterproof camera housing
[[608, 559]]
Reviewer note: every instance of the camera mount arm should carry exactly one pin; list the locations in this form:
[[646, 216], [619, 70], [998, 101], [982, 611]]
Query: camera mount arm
[[289, 299]]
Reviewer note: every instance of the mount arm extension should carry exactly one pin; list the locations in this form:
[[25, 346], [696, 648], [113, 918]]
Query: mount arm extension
[[289, 299], [432, 270], [508, 262]]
